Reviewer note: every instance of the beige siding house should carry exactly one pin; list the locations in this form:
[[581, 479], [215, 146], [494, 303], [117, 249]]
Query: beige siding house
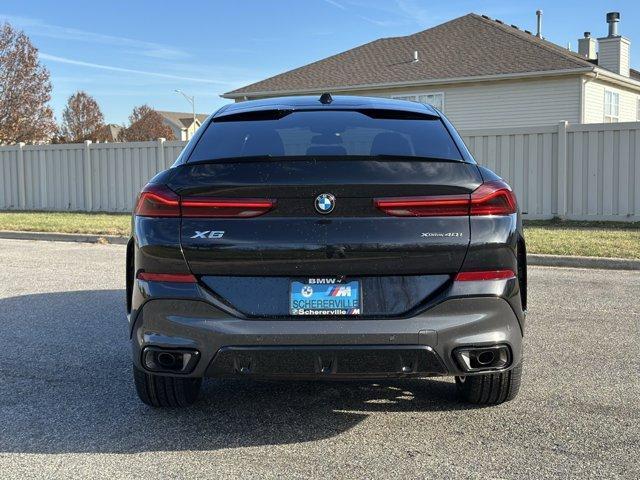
[[482, 73], [475, 105], [182, 123], [599, 94]]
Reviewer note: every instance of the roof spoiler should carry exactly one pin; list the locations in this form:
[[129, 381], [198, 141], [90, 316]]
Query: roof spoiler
[[278, 113]]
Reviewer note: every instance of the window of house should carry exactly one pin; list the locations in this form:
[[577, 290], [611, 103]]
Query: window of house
[[638, 110], [611, 106], [434, 99]]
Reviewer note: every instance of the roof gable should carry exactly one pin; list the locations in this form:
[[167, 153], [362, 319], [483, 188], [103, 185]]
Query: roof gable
[[182, 119], [467, 46]]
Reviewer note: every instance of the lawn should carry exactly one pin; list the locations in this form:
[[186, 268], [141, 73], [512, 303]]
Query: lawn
[[67, 222], [594, 239]]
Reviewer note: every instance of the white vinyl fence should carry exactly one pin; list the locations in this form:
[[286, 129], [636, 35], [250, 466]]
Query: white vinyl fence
[[581, 171], [573, 171], [93, 177]]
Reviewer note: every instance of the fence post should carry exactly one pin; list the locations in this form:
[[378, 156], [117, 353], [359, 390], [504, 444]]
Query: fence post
[[88, 193], [562, 169], [160, 156], [22, 182]]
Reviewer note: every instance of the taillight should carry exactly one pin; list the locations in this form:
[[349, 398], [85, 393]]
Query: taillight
[[157, 201], [220, 207], [167, 277], [437, 206], [484, 275], [161, 201], [493, 198]]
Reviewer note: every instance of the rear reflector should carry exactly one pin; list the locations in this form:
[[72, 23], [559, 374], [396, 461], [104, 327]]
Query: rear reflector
[[491, 198], [167, 277], [157, 201], [484, 275], [221, 207]]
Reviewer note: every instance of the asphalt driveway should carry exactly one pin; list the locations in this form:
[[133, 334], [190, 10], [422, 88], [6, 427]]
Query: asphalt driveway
[[68, 407]]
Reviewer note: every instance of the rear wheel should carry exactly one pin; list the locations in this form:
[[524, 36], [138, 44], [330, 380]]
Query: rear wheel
[[490, 388], [160, 391]]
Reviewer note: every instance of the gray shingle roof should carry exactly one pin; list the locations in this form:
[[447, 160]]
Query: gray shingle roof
[[182, 119], [467, 46]]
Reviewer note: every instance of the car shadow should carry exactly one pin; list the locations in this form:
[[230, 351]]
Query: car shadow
[[67, 387]]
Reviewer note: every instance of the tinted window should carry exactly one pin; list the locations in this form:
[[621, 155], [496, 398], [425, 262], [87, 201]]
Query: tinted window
[[322, 133]]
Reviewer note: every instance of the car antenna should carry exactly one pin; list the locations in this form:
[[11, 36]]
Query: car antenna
[[326, 98]]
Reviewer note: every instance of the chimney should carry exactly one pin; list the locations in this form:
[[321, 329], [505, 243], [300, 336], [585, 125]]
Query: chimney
[[539, 31], [613, 18], [587, 46], [614, 49]]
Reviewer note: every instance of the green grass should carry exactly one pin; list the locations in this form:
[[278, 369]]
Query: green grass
[[593, 239], [67, 222]]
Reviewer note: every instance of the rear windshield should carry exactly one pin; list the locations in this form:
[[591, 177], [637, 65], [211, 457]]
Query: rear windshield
[[325, 133]]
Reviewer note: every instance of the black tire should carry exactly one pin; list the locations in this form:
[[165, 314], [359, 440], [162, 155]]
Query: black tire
[[160, 391], [490, 388]]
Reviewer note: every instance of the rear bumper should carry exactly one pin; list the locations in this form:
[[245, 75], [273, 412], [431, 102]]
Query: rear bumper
[[422, 345], [326, 361]]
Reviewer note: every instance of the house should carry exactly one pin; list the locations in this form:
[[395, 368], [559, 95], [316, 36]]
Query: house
[[482, 73], [108, 133], [182, 123]]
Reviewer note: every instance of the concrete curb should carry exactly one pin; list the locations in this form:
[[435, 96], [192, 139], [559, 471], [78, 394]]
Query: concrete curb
[[583, 262], [532, 259], [64, 237]]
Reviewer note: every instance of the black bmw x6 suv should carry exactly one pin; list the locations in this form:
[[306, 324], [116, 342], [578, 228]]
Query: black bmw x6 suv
[[326, 238]]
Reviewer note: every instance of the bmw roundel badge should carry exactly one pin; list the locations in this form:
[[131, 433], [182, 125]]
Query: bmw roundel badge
[[325, 203]]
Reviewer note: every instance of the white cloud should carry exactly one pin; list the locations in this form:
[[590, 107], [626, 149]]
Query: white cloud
[[336, 4], [380, 23], [361, 7], [70, 61], [416, 12], [39, 28]]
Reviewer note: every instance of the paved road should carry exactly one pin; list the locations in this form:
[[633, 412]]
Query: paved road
[[68, 407]]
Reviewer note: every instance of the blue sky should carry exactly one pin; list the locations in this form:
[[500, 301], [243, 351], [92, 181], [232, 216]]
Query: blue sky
[[127, 53]]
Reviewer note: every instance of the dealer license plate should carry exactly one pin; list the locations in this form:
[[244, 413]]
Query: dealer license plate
[[325, 296]]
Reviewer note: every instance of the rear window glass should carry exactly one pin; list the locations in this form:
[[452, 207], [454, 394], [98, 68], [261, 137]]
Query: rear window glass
[[325, 133]]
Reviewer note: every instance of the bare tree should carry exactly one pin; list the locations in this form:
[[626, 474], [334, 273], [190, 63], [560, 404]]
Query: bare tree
[[81, 119], [25, 91], [146, 124]]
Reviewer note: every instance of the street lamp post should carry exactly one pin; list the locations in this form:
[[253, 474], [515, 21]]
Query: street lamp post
[[192, 101]]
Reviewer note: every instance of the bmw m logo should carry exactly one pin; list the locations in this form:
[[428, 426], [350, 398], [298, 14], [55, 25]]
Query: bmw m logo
[[325, 203]]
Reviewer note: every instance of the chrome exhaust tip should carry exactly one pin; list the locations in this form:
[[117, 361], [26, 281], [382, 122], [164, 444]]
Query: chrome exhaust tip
[[479, 359]]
